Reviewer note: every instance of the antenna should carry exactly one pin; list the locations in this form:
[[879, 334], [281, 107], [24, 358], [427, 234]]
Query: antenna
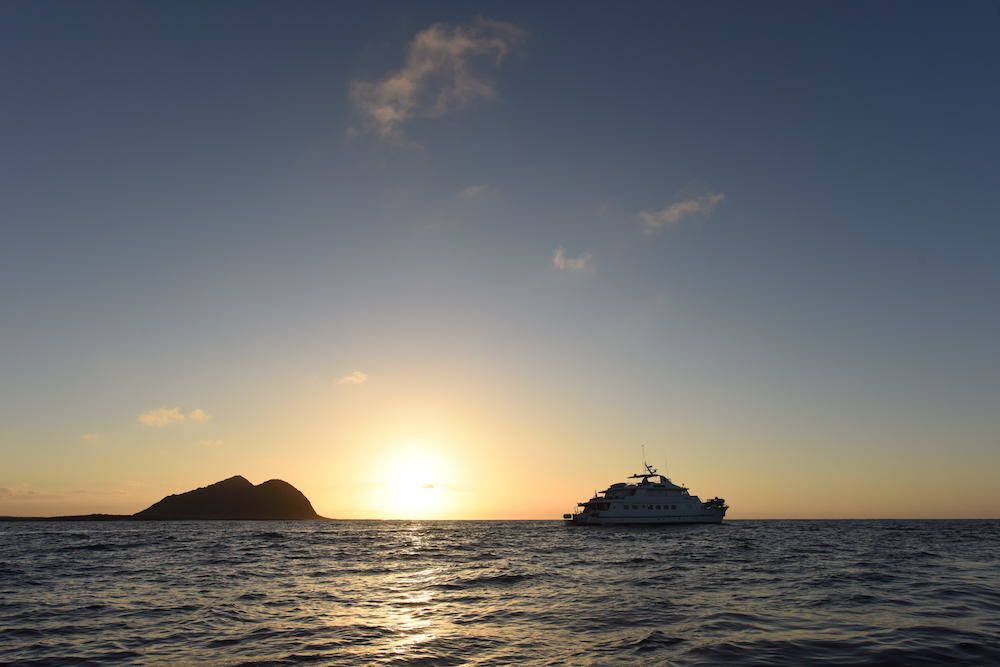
[[650, 469]]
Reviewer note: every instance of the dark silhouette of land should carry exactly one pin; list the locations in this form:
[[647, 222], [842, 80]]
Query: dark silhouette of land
[[232, 499], [76, 517]]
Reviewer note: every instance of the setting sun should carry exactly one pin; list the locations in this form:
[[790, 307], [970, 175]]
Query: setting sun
[[416, 485]]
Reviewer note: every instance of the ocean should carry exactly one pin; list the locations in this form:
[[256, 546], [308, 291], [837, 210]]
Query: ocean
[[496, 593]]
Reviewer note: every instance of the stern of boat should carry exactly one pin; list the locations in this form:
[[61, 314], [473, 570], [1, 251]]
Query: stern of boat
[[576, 519]]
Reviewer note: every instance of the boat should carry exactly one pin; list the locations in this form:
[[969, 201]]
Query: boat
[[652, 500]]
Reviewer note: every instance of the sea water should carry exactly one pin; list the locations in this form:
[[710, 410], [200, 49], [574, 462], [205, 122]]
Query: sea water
[[492, 593]]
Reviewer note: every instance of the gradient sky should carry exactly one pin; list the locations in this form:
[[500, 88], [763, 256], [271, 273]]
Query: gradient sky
[[463, 260]]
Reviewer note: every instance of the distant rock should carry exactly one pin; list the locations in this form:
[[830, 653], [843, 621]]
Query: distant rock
[[77, 517], [234, 499]]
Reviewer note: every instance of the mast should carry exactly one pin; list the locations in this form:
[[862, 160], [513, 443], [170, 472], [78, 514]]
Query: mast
[[650, 469]]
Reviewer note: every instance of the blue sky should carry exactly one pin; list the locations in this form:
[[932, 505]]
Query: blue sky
[[765, 231]]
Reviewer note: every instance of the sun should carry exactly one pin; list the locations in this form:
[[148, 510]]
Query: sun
[[416, 484]]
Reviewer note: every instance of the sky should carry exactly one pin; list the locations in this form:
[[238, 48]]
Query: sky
[[465, 260]]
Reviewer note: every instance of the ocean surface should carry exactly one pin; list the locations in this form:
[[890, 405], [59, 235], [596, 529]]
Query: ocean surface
[[493, 593]]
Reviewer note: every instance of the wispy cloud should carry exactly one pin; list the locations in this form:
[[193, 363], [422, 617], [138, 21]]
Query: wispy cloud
[[475, 192], [163, 417], [354, 377], [92, 437], [442, 73], [677, 211], [563, 262]]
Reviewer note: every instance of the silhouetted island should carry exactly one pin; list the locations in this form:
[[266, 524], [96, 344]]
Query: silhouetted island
[[232, 499]]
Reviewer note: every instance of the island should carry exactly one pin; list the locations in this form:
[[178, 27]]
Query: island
[[233, 499]]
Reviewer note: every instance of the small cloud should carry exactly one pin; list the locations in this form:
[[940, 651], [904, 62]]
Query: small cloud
[[674, 213], [161, 417], [442, 74], [211, 444], [354, 377], [92, 437], [475, 192], [563, 262]]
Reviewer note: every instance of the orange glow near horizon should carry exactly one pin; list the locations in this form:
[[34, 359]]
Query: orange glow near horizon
[[479, 445]]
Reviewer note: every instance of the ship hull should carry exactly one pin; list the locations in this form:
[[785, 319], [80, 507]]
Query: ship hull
[[584, 519]]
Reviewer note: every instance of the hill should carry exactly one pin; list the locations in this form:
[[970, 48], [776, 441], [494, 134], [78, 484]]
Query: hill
[[233, 499]]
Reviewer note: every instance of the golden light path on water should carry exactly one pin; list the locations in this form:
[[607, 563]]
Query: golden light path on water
[[417, 593], [405, 608]]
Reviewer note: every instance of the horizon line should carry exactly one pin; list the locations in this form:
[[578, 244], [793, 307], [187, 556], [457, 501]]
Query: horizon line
[[129, 517]]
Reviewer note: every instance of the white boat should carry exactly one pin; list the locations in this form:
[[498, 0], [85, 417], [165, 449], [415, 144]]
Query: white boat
[[653, 500]]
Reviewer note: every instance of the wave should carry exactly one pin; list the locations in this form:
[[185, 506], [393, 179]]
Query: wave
[[485, 580]]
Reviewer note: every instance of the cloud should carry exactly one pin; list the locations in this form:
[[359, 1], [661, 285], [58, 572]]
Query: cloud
[[442, 74], [354, 377], [161, 417], [475, 192], [565, 263], [211, 444], [92, 437], [702, 205]]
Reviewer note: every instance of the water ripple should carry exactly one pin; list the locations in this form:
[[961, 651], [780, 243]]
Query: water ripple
[[485, 593]]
